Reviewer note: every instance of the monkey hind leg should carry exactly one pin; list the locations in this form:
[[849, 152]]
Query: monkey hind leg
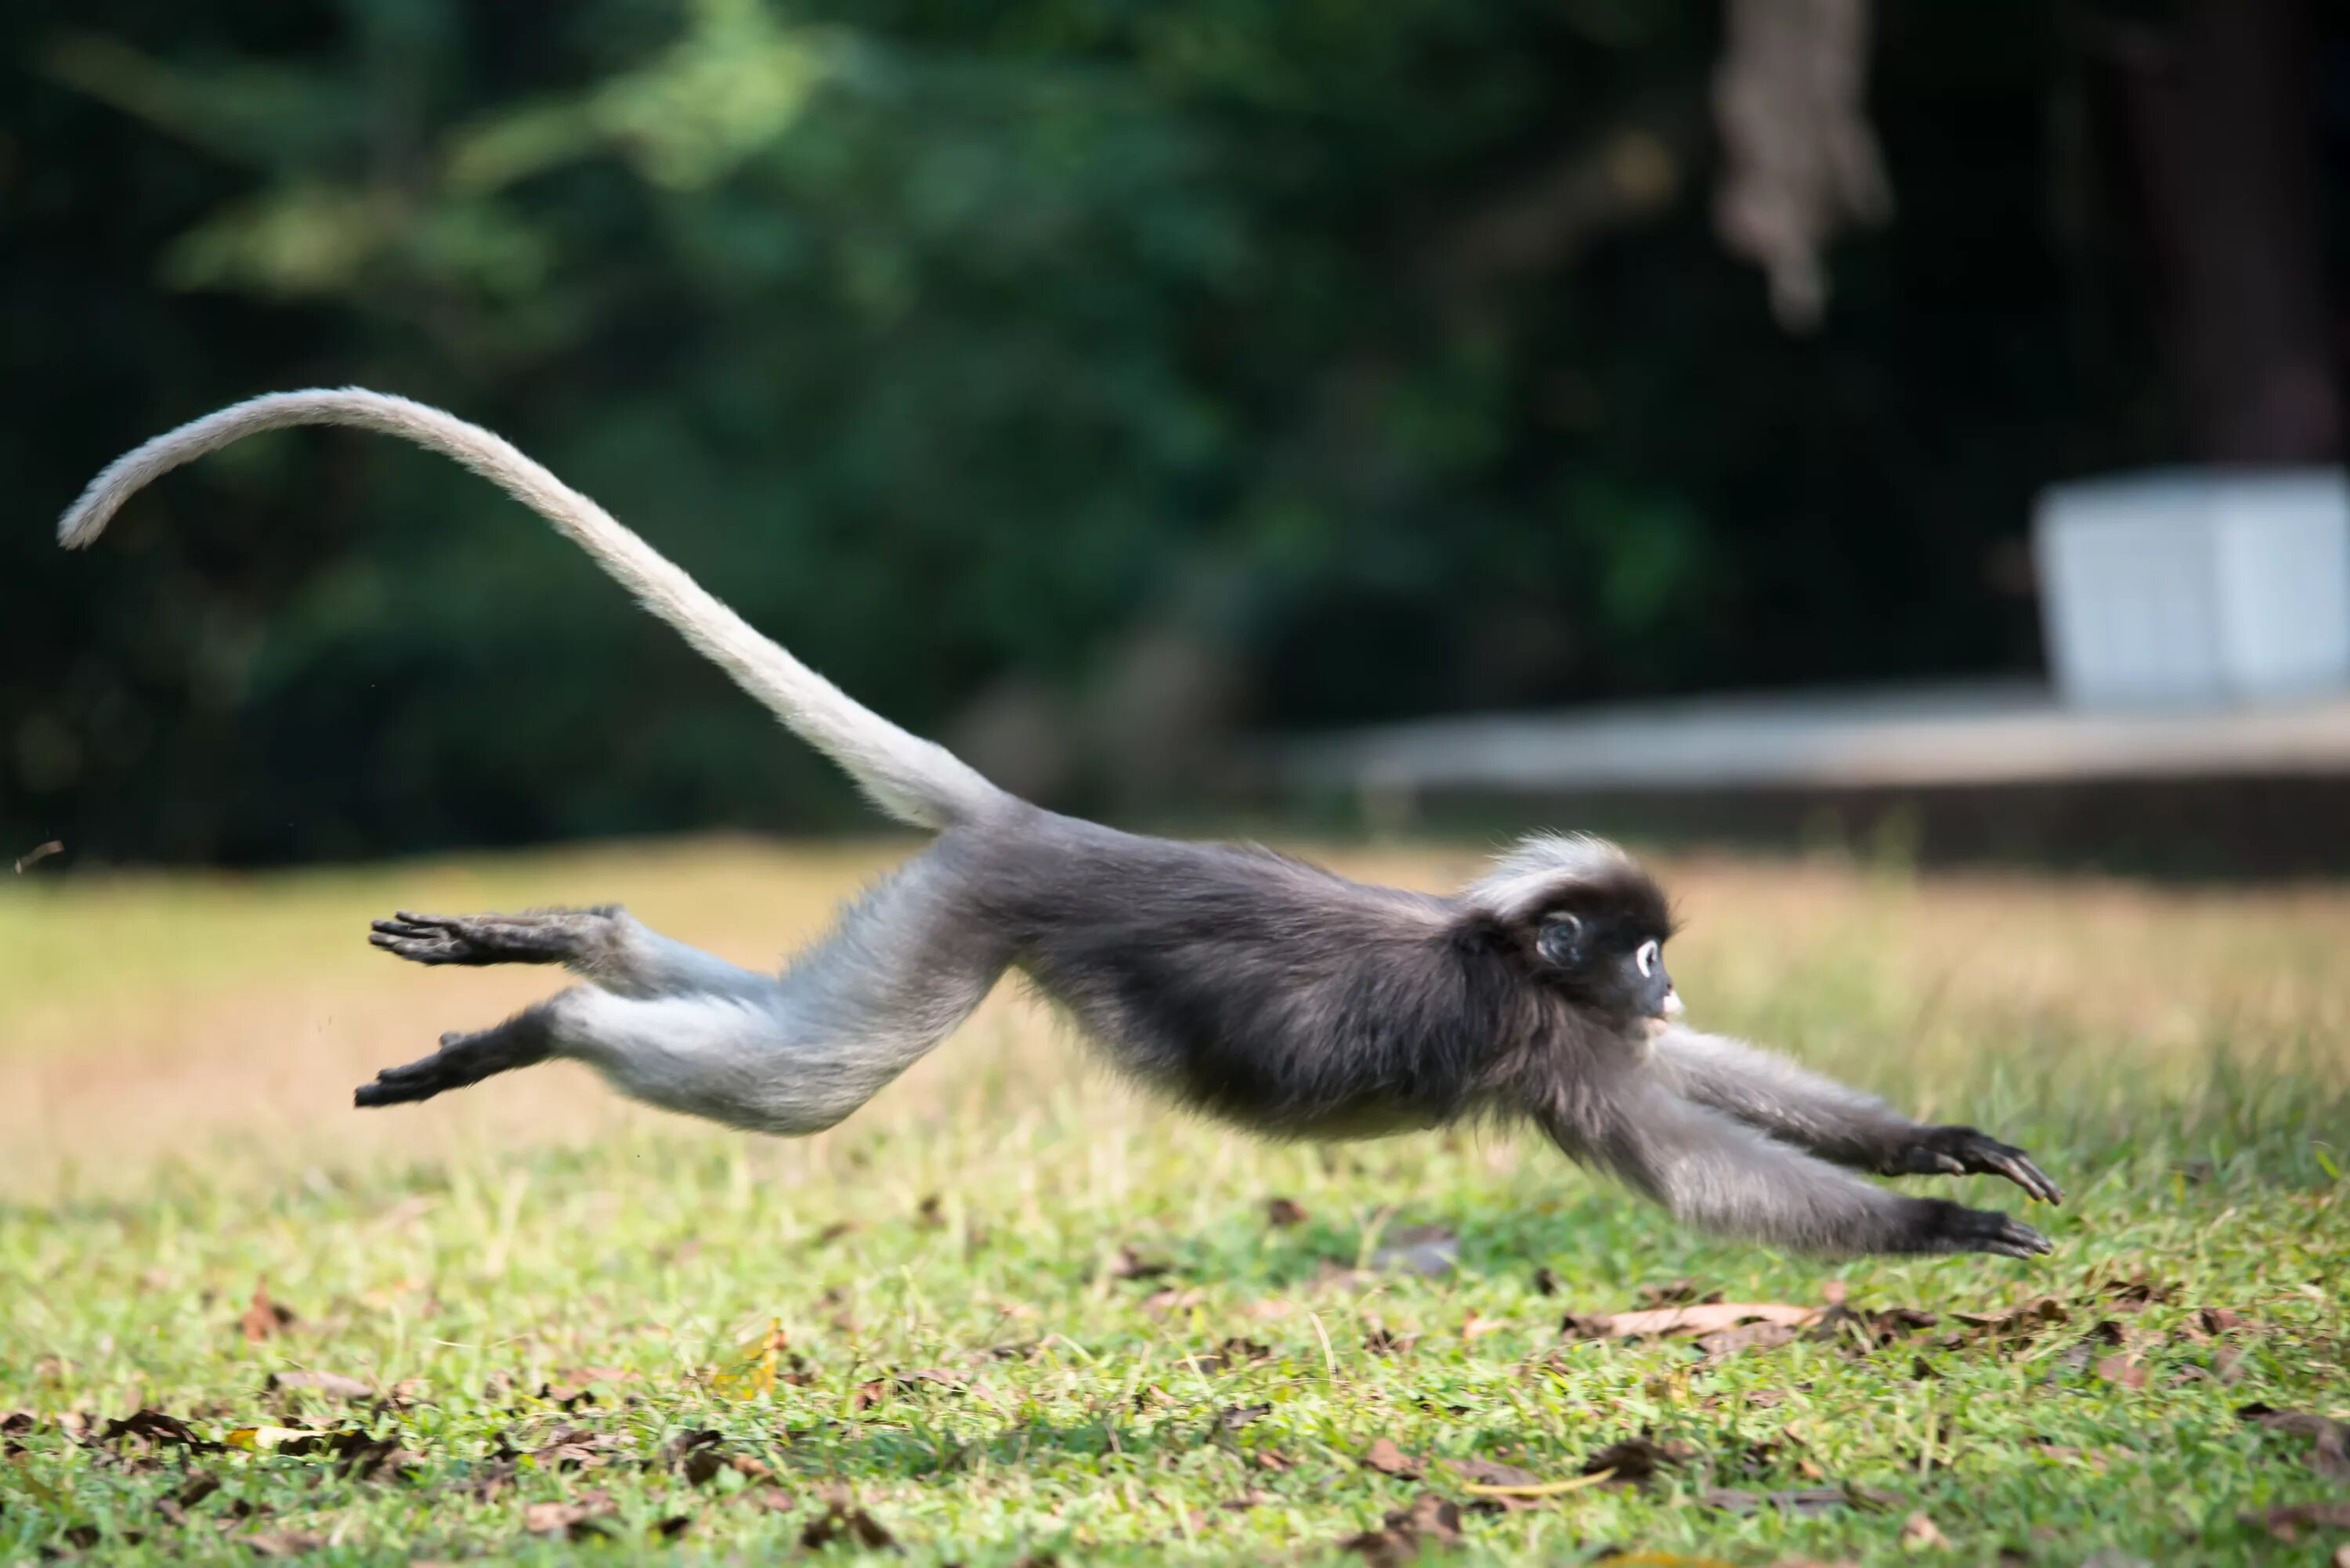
[[526, 1039]]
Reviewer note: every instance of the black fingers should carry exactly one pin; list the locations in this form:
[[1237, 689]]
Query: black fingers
[[1937, 1225], [1964, 1151]]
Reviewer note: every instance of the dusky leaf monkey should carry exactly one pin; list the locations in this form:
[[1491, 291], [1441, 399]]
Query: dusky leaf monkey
[[1273, 995]]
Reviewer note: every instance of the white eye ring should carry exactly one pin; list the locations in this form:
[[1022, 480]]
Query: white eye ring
[[1646, 956]]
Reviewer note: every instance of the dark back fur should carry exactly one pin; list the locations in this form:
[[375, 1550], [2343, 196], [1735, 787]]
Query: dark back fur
[[1277, 994]]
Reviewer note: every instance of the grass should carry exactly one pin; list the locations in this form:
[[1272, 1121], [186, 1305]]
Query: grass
[[972, 1362]]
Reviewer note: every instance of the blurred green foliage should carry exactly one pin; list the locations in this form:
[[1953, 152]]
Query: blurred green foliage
[[952, 343]]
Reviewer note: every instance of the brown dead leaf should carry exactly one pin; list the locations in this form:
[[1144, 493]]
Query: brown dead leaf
[[264, 1317], [1173, 1300], [2016, 1323], [1255, 1497], [1384, 1341], [1284, 1212], [1546, 1282], [695, 1455], [1233, 1417], [1698, 1318], [1919, 1533], [1876, 1328], [332, 1384], [771, 1498], [1384, 1457], [155, 1427], [844, 1522], [1273, 1461], [2329, 1448]]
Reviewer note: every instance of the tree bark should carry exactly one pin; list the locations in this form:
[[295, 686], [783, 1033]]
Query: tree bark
[[2221, 110]]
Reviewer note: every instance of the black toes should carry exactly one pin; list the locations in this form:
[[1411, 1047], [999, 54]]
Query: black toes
[[1945, 1227]]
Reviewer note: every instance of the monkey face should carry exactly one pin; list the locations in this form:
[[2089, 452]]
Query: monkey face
[[1610, 961]]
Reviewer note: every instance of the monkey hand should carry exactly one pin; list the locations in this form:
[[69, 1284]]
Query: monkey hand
[[1938, 1225], [1963, 1151]]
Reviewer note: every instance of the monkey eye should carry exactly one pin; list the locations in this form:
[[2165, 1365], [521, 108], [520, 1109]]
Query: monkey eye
[[1647, 955]]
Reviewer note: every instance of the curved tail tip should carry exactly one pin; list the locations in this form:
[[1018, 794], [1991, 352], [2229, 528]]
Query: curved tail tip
[[81, 524]]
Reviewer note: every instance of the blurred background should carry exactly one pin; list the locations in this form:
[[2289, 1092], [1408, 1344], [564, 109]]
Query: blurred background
[[1916, 425]]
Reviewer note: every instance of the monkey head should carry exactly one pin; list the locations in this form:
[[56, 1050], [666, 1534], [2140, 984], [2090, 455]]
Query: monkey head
[[1591, 924]]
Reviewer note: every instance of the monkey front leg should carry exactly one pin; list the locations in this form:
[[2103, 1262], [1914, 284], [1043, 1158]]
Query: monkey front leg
[[1716, 1173], [1827, 1119]]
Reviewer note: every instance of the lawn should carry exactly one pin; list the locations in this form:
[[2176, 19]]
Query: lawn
[[1012, 1312]]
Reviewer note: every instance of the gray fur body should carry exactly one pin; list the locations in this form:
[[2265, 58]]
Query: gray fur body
[[1273, 994]]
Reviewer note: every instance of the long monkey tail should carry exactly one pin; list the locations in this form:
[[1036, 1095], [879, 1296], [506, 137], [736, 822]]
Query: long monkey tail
[[914, 780]]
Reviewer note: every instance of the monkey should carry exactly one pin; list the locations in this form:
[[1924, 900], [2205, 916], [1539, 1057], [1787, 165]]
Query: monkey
[[1261, 989]]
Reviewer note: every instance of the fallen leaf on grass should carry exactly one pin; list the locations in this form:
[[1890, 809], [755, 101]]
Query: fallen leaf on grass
[[2016, 1323], [1384, 1341], [695, 1455], [2329, 1450], [264, 1317], [573, 1448], [1233, 1417], [333, 1385], [1699, 1318], [1546, 1282], [844, 1522], [1384, 1457], [1429, 1518], [155, 1427], [1253, 1498], [1282, 1213], [1876, 1327]]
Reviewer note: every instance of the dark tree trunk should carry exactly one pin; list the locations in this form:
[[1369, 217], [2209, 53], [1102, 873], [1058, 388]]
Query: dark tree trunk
[[2222, 111]]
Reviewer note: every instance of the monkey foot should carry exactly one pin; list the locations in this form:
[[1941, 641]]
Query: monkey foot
[[477, 938], [1963, 1151], [1946, 1227], [463, 1059]]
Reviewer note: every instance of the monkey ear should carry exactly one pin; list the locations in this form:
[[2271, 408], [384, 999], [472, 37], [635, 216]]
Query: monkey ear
[[1560, 941]]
